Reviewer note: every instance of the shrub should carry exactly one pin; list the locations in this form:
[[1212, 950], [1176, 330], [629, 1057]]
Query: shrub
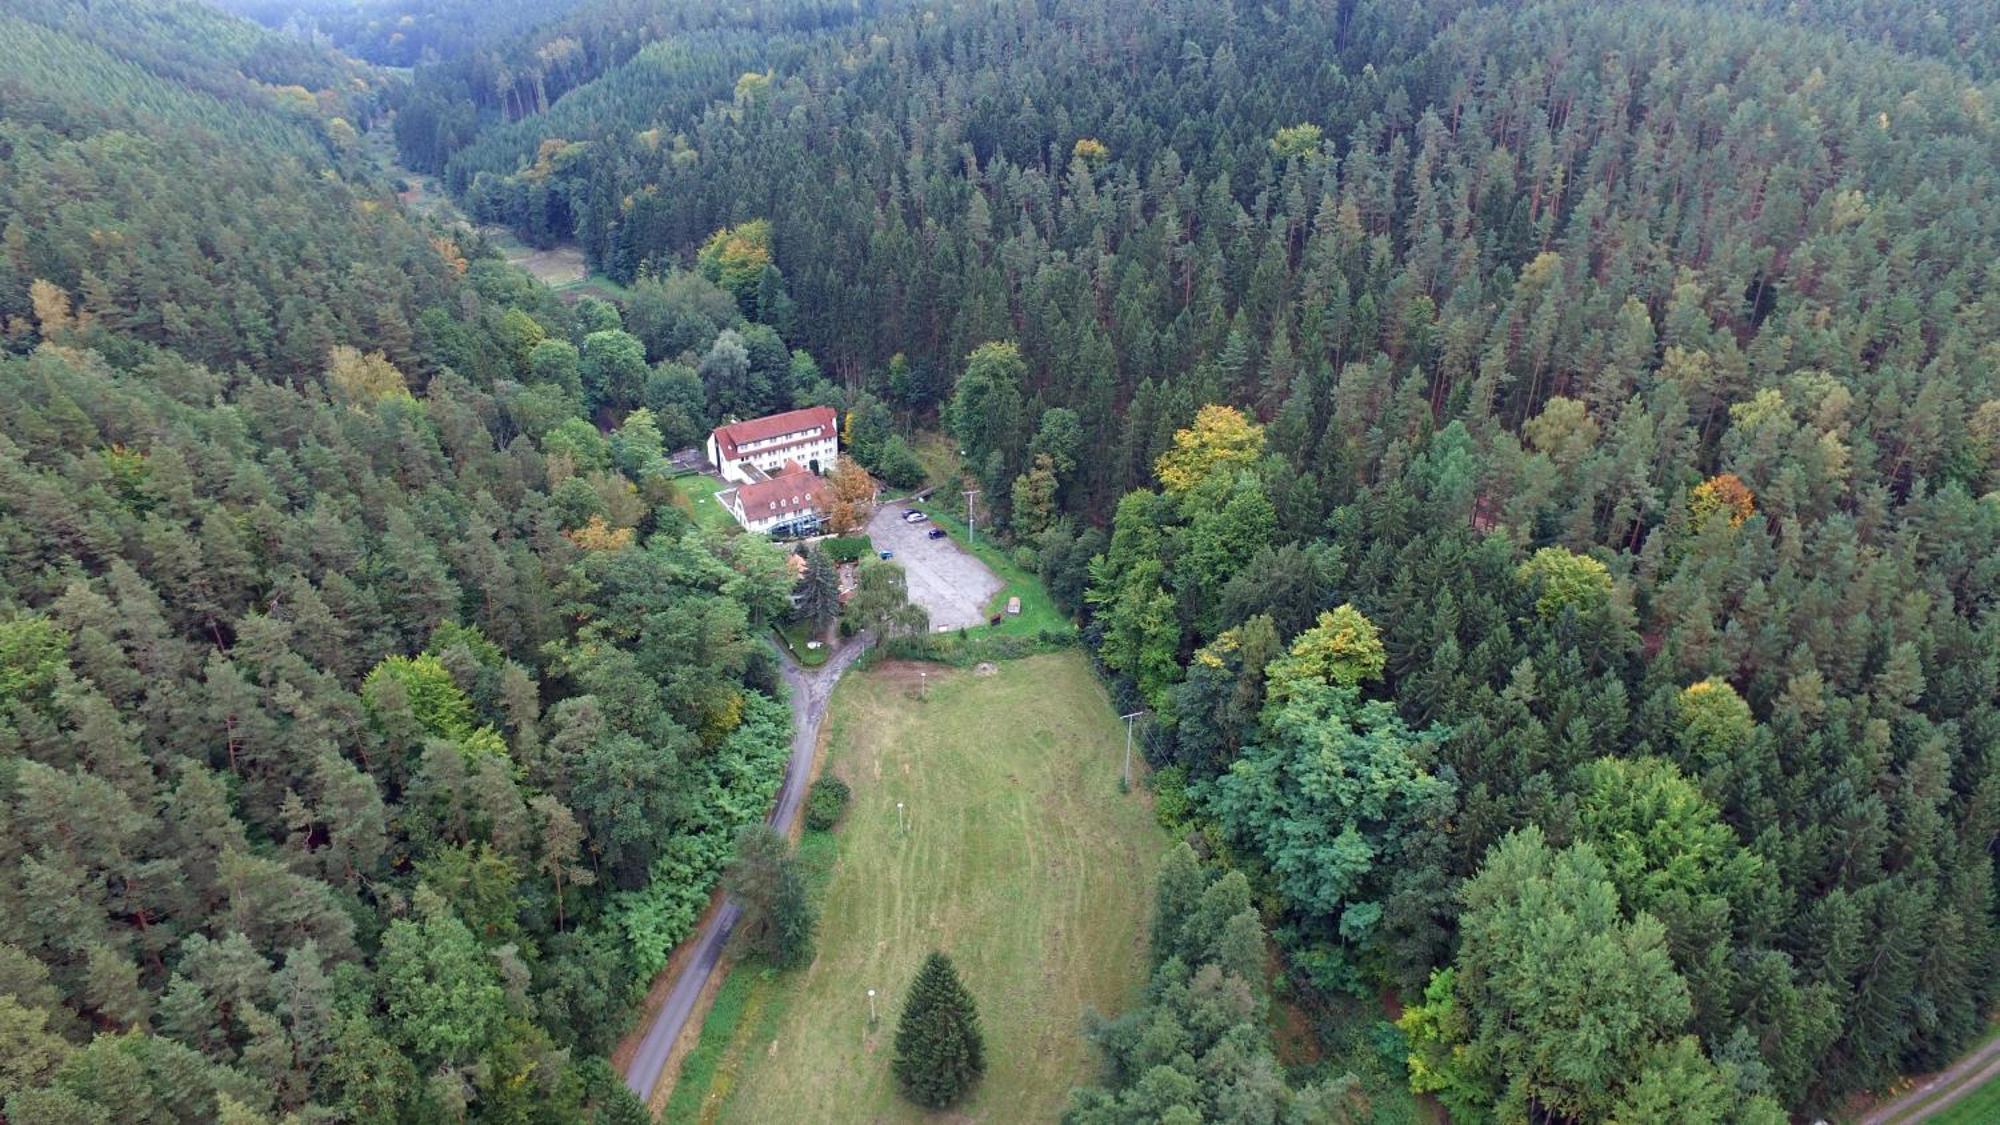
[[1170, 797], [848, 548], [825, 803]]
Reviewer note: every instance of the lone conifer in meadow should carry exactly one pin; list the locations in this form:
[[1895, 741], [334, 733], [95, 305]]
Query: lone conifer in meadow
[[939, 1053]]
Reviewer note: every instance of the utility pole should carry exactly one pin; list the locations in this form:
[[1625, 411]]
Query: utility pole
[[1125, 779], [901, 828], [971, 536], [871, 1007]]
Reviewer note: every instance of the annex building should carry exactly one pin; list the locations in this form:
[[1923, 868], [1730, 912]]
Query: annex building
[[791, 503]]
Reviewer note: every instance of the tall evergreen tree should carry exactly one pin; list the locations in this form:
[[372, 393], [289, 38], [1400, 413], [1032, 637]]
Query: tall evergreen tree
[[818, 591], [940, 1054]]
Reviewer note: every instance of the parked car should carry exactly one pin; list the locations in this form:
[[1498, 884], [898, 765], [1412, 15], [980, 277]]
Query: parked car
[[887, 554], [913, 517], [937, 533], [908, 512]]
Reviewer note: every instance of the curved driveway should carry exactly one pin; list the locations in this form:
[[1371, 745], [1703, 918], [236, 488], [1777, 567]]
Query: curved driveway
[[810, 690]]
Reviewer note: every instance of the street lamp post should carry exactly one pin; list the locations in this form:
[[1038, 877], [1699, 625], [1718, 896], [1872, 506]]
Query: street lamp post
[[901, 828], [871, 1007]]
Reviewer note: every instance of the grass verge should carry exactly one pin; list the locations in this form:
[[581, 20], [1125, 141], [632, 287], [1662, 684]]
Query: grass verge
[[1016, 853], [1981, 1107]]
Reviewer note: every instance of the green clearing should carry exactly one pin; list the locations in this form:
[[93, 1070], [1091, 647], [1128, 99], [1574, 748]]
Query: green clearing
[[1021, 859], [1038, 610], [699, 489]]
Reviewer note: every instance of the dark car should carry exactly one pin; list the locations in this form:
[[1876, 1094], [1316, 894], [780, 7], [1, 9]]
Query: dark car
[[937, 533]]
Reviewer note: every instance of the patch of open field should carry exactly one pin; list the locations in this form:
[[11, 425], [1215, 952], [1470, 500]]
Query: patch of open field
[[555, 267], [1020, 858], [700, 489]]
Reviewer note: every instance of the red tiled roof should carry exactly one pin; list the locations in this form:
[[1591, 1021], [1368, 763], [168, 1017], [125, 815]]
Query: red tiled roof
[[796, 489], [728, 437]]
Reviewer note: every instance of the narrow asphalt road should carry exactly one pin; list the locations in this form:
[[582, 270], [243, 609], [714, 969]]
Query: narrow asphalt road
[[1956, 1081], [810, 690]]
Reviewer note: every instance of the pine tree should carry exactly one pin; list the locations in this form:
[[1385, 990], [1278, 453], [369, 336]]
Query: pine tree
[[819, 591], [940, 1054]]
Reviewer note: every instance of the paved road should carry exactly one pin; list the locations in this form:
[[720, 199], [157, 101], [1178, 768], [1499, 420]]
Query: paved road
[[810, 690], [1957, 1080]]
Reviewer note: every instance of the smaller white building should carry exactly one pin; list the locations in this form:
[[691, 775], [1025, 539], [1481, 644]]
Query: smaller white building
[[749, 452], [794, 502]]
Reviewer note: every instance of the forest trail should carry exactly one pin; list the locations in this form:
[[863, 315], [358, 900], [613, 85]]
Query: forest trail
[[1940, 1091], [810, 691]]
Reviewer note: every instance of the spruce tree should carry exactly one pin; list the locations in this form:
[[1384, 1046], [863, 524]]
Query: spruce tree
[[939, 1052], [819, 591]]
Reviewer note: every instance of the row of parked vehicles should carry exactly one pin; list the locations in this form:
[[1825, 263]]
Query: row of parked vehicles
[[912, 515]]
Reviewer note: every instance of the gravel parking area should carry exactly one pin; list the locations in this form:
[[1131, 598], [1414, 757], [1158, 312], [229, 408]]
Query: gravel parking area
[[946, 580]]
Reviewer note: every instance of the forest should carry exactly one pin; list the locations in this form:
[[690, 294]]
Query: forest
[[1537, 465], [371, 723]]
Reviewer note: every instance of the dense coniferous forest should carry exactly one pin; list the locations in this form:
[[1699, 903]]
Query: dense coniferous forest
[[1629, 371], [1539, 466], [370, 722]]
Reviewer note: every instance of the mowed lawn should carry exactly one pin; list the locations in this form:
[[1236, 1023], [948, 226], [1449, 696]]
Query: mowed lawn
[[1021, 859], [699, 489]]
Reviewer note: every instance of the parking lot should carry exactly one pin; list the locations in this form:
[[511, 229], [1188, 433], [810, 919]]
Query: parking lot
[[952, 585]]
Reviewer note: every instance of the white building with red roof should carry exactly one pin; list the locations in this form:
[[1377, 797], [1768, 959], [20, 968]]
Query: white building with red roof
[[793, 502], [750, 452]]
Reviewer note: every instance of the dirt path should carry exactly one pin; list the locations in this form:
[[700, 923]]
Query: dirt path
[[1955, 1081], [691, 967]]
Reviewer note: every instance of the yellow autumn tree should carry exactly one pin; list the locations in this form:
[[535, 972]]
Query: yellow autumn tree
[[52, 311], [1222, 439], [1563, 578], [447, 248], [597, 535], [1297, 140], [362, 380], [734, 257], [1343, 648]]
